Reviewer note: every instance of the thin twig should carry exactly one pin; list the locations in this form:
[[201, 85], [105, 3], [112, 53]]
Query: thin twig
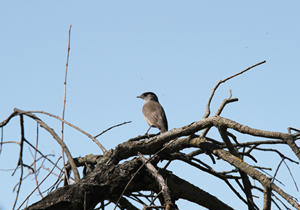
[[218, 112], [19, 187], [56, 137], [225, 102], [42, 154], [111, 128], [64, 105], [39, 184], [20, 161], [8, 142], [207, 113], [291, 175], [73, 126], [277, 169], [1, 139], [279, 153], [290, 129], [34, 160], [18, 112], [152, 202]]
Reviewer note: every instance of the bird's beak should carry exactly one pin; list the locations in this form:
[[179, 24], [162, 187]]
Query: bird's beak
[[139, 97]]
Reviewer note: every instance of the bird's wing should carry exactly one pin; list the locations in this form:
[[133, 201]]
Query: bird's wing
[[155, 116]]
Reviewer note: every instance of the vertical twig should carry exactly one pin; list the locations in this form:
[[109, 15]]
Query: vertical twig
[[1, 139], [34, 160], [20, 161], [64, 105], [19, 187]]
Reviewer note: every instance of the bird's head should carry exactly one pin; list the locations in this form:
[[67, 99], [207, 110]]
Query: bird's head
[[148, 96]]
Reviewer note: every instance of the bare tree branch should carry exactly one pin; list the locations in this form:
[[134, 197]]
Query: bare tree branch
[[207, 113], [142, 166], [118, 173], [55, 136], [39, 184], [163, 185], [111, 128], [4, 122], [267, 198], [34, 159], [73, 126], [265, 181], [20, 161], [64, 104]]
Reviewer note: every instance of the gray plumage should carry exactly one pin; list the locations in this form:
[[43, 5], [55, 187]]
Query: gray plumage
[[153, 112]]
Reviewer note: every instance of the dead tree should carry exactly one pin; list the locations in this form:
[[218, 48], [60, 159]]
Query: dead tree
[[125, 175], [108, 178]]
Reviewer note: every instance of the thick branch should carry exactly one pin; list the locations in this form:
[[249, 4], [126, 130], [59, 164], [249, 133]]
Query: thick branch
[[150, 146], [182, 189], [98, 182], [107, 177], [267, 198], [163, 185]]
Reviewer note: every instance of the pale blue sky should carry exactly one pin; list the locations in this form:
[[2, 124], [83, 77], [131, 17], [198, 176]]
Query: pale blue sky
[[120, 49]]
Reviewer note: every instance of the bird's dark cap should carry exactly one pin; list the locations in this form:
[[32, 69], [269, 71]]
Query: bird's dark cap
[[153, 97], [145, 94]]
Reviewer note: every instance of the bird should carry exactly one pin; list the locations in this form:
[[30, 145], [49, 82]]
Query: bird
[[153, 112]]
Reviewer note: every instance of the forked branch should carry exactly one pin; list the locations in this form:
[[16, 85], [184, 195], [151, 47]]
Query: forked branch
[[207, 112], [56, 137]]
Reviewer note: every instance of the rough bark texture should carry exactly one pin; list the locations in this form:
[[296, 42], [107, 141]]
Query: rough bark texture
[[108, 175], [107, 181]]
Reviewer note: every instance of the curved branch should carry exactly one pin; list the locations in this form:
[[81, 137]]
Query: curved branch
[[288, 138], [56, 137], [73, 126], [4, 122], [150, 146]]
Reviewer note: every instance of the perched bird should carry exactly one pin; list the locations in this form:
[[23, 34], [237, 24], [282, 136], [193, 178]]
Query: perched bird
[[153, 112]]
